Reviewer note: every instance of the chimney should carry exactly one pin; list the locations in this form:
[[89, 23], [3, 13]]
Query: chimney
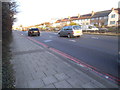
[[68, 17], [93, 13], [78, 15], [112, 9]]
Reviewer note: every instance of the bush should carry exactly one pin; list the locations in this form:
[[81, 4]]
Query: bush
[[8, 11]]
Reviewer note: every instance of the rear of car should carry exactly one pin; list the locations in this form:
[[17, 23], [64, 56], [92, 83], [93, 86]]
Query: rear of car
[[71, 31], [77, 31], [33, 31]]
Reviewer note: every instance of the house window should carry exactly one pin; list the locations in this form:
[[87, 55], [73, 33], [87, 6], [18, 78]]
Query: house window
[[96, 18], [100, 17], [92, 18], [112, 22], [105, 17], [113, 16]]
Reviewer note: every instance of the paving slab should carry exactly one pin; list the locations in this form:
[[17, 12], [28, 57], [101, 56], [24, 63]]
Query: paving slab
[[49, 80], [61, 76], [49, 86], [38, 83], [62, 84]]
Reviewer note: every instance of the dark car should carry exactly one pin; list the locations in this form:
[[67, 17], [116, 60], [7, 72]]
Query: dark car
[[33, 31]]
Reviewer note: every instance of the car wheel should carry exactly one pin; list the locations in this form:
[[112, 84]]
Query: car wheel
[[59, 35], [38, 34], [69, 36]]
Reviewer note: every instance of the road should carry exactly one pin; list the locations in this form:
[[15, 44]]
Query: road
[[98, 51]]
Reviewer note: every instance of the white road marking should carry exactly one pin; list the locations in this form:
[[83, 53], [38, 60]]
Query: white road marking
[[106, 77], [50, 36], [119, 52], [55, 33], [95, 37], [47, 40], [72, 40]]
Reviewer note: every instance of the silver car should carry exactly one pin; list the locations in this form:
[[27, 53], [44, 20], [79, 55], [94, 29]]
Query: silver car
[[70, 31]]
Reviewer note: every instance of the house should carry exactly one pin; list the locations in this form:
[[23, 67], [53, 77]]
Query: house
[[81, 19], [65, 21], [85, 19], [105, 18], [75, 19], [102, 18], [57, 23]]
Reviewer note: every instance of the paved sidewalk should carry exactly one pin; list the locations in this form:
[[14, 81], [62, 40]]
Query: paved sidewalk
[[37, 67]]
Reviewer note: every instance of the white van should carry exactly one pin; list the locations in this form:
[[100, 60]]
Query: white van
[[89, 27]]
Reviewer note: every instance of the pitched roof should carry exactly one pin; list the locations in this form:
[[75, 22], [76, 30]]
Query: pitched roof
[[58, 21], [74, 18], [101, 13], [86, 15], [104, 13], [65, 19]]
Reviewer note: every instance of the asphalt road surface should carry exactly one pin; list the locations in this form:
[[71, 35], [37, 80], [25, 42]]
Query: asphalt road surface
[[96, 50]]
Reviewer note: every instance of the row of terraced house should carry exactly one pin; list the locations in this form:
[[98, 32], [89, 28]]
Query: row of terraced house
[[106, 18]]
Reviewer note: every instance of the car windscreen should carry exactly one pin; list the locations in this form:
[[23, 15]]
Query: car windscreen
[[35, 29], [76, 27]]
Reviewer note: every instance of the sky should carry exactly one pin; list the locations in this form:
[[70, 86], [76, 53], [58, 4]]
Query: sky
[[32, 12]]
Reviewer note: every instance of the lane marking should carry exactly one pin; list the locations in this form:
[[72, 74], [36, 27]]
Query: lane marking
[[119, 52], [47, 40], [50, 36], [72, 40], [95, 37], [54, 33]]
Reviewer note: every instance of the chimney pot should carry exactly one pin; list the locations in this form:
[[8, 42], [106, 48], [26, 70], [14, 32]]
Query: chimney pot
[[78, 15], [112, 9], [93, 13]]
